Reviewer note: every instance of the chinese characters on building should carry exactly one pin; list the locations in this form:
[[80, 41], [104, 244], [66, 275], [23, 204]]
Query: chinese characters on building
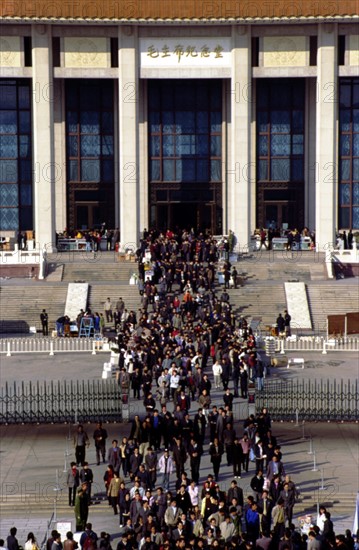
[[179, 51]]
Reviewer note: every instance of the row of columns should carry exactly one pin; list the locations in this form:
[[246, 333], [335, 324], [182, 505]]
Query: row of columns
[[239, 173]]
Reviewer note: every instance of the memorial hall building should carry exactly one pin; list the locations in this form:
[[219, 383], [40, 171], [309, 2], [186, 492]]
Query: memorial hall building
[[214, 114]]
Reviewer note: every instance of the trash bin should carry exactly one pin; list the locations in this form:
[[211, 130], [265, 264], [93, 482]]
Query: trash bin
[[103, 244]]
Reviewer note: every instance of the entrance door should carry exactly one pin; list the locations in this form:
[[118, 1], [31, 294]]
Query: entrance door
[[87, 215], [184, 215], [277, 214]]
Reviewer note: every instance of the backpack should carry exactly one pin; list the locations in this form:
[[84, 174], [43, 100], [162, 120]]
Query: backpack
[[89, 543]]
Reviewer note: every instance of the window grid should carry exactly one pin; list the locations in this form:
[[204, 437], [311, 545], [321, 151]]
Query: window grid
[[180, 153], [280, 146], [95, 165], [15, 155], [349, 153]]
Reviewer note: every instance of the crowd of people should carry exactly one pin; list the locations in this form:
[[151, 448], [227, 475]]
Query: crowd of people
[[186, 344]]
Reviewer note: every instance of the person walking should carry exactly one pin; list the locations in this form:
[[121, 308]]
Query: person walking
[[81, 441], [82, 502], [216, 452], [165, 466], [100, 436], [44, 318], [72, 482], [108, 310], [31, 543]]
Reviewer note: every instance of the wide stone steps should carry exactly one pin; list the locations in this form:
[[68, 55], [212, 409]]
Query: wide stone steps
[[22, 305], [329, 298], [99, 292]]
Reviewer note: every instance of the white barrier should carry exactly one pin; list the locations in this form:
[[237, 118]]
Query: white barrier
[[52, 346], [315, 343]]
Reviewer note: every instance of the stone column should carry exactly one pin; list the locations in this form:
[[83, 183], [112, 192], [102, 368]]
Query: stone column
[[326, 142], [238, 168], [43, 137], [128, 136]]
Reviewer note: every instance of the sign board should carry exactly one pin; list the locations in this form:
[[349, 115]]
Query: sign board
[[63, 527]]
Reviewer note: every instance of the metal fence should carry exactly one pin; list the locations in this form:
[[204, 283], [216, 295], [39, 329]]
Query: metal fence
[[51, 346], [315, 343], [55, 402], [311, 400]]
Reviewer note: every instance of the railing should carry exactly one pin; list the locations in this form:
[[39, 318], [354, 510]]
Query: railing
[[51, 402], [315, 343], [10, 346], [310, 400]]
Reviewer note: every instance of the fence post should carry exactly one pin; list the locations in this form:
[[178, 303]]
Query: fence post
[[93, 348], [282, 346], [324, 352], [8, 354], [51, 348]]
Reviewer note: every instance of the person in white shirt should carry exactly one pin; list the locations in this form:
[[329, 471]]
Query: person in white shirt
[[193, 493], [217, 371], [174, 383]]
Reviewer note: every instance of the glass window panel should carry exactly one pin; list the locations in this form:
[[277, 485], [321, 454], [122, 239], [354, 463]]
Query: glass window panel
[[356, 145], [297, 170], [107, 122], [169, 170], [107, 95], [263, 145], [188, 170], [355, 169], [71, 96], [298, 144], [344, 95], [154, 121], [168, 119], [202, 145], [154, 97], [90, 96], [90, 170], [216, 172], [216, 98], [179, 170], [356, 120], [185, 145], [280, 94], [9, 195], [345, 120], [280, 121], [107, 171], [167, 98], [155, 170], [72, 121], [168, 146], [262, 121], [344, 170], [90, 146], [26, 218], [355, 218], [216, 121], [280, 145], [107, 146], [8, 96], [73, 146], [344, 217], [185, 122], [72, 167], [8, 146], [280, 169], [298, 121], [24, 122], [344, 145], [8, 122], [202, 122], [9, 219], [8, 171], [25, 146], [25, 195], [344, 194], [25, 170], [356, 95], [90, 122], [24, 97], [216, 146], [155, 146], [202, 170], [263, 170], [355, 193], [202, 96]]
